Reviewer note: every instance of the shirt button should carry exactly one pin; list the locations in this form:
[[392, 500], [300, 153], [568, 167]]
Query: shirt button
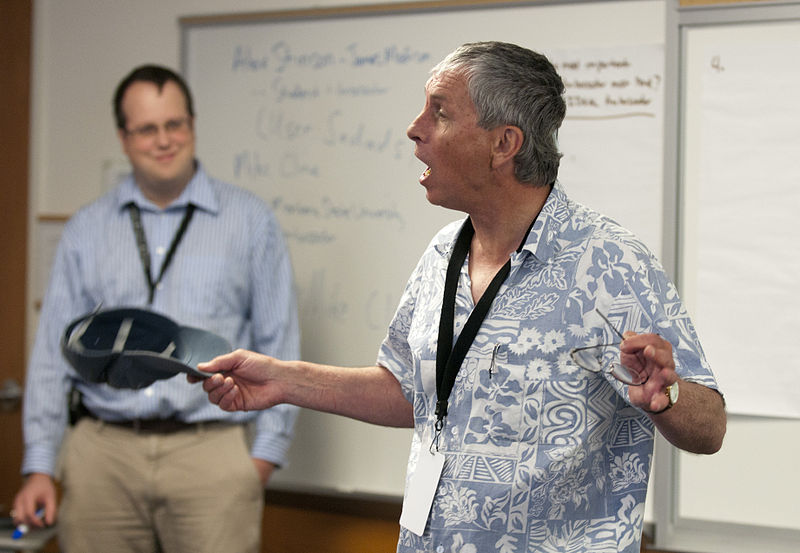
[[148, 392], [440, 549], [160, 250]]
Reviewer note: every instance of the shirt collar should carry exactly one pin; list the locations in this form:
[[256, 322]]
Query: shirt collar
[[541, 240], [198, 192]]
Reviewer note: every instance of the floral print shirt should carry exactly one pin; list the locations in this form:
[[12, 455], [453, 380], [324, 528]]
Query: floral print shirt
[[540, 455]]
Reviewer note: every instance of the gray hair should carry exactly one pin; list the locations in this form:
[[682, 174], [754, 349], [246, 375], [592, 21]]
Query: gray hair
[[511, 85]]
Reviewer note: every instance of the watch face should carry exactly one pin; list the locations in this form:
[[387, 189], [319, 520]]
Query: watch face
[[673, 393]]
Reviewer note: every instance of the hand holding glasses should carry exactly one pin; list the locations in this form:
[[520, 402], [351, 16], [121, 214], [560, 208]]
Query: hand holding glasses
[[590, 358]]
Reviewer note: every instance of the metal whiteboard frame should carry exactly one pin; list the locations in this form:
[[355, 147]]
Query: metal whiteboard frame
[[672, 531]]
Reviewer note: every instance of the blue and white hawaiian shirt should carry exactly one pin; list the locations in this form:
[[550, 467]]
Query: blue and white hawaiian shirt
[[541, 455]]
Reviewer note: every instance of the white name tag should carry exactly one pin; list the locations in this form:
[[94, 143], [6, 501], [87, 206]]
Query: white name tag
[[421, 489]]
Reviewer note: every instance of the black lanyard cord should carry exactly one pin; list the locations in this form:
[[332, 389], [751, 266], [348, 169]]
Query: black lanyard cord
[[448, 361], [448, 357], [144, 252]]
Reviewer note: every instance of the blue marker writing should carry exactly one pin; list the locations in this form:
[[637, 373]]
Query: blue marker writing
[[23, 529]]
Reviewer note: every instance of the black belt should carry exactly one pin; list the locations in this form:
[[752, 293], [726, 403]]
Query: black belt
[[153, 426]]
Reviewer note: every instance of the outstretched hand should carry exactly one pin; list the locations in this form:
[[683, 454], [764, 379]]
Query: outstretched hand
[[652, 355], [242, 381]]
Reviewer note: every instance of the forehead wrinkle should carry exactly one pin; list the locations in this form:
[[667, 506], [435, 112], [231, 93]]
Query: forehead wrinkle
[[444, 88]]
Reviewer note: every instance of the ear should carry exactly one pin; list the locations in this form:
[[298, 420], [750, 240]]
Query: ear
[[507, 142]]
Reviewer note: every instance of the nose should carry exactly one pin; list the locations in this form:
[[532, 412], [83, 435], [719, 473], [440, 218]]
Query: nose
[[414, 130], [163, 136]]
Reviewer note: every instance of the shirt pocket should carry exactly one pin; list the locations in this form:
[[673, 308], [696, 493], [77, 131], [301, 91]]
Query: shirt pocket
[[501, 413]]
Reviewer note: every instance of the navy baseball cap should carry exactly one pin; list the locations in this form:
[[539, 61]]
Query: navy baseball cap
[[132, 348]]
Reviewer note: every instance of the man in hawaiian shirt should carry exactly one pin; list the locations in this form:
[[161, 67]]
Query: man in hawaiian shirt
[[535, 431]]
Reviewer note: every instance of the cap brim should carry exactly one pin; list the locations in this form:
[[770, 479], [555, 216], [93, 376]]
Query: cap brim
[[156, 348]]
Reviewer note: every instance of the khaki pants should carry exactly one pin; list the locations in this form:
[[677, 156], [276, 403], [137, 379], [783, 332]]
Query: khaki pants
[[192, 491]]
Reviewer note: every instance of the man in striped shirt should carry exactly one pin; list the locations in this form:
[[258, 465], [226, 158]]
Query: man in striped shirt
[[142, 471]]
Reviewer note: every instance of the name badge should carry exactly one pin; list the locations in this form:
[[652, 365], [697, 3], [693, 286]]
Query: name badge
[[421, 488]]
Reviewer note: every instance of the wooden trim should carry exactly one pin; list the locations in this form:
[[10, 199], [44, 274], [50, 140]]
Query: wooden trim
[[299, 522], [365, 507], [15, 66], [306, 521], [693, 3], [345, 11], [52, 218]]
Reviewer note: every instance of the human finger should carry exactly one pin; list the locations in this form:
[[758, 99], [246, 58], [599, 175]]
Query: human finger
[[659, 353], [25, 512], [230, 399], [220, 363], [217, 386]]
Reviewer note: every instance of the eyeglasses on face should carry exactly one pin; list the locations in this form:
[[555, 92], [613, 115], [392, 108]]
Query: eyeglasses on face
[[173, 127], [590, 358]]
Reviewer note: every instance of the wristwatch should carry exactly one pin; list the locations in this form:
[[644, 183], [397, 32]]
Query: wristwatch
[[672, 396], [672, 393]]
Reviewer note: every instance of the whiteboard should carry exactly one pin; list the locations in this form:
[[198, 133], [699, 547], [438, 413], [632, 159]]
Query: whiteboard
[[736, 138], [746, 262], [309, 109], [742, 144]]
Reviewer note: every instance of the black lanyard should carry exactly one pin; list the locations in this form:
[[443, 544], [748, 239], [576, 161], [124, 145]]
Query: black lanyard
[[449, 358], [144, 252]]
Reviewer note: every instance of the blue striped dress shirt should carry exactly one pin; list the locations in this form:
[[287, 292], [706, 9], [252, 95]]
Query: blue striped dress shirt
[[231, 274]]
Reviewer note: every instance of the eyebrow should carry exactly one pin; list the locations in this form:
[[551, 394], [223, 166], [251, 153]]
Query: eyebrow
[[439, 98]]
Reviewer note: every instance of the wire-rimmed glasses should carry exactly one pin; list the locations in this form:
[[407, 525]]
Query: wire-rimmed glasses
[[172, 127], [590, 358]]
